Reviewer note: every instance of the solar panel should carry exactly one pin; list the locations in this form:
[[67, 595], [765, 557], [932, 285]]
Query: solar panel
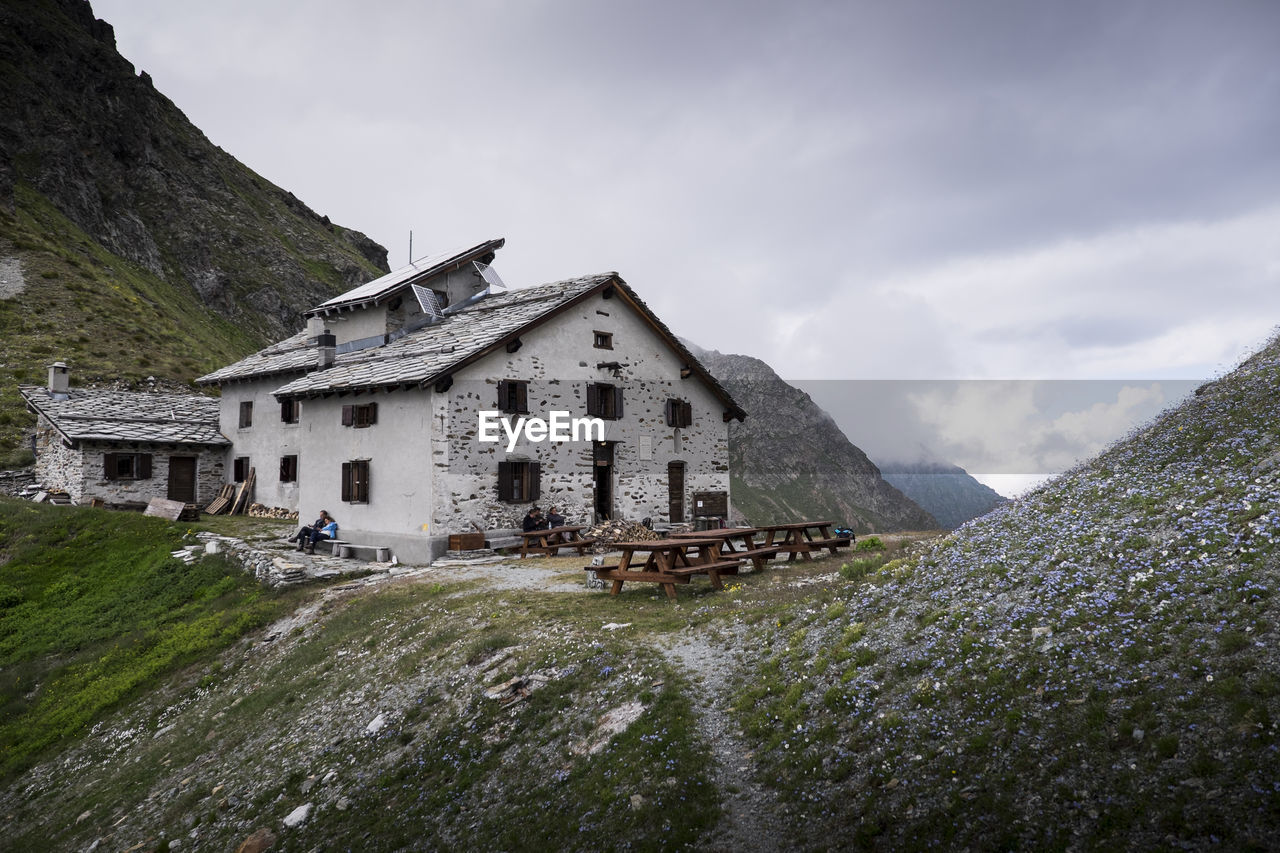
[[490, 276], [429, 301]]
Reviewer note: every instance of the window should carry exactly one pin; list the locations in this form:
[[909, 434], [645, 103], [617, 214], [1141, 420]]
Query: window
[[513, 396], [240, 470], [603, 340], [355, 481], [679, 413], [289, 469], [289, 411], [360, 416], [126, 466], [604, 401], [519, 481], [246, 414]]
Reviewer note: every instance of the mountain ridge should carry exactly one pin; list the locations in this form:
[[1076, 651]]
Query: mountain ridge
[[130, 245], [789, 459]]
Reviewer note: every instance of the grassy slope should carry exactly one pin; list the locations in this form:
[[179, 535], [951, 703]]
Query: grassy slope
[[93, 609], [1094, 664], [105, 317]]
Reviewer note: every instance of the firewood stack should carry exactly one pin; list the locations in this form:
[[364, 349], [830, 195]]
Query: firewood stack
[[261, 511], [607, 532]]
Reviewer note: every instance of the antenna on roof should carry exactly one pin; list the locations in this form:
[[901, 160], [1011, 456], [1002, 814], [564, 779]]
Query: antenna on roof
[[411, 245], [429, 302], [490, 276]]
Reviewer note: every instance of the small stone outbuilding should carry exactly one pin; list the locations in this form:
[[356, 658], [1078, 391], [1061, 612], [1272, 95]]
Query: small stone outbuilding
[[125, 448]]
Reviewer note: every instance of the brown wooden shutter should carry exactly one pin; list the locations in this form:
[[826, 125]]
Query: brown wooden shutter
[[373, 413], [109, 466], [671, 418], [522, 398], [534, 490], [503, 396], [617, 402], [144, 466], [362, 493], [348, 417], [593, 399], [346, 480], [506, 482]]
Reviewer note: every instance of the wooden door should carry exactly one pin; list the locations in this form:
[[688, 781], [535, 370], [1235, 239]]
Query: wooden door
[[675, 491], [182, 479], [603, 457]]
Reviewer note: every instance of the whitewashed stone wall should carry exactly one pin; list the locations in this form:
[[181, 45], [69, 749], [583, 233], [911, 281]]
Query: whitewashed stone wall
[[58, 467]]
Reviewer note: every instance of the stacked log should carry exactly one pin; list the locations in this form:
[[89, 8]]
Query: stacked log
[[258, 510], [607, 532]]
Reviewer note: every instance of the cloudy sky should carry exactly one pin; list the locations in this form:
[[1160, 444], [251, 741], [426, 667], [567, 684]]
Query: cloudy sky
[[858, 190]]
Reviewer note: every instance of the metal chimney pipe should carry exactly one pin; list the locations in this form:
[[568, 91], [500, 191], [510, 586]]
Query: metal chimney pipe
[[326, 347]]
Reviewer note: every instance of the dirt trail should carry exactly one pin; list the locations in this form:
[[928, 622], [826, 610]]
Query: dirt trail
[[753, 818]]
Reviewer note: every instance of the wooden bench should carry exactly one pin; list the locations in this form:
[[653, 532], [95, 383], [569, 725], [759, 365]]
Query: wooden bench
[[757, 556], [580, 545], [832, 543]]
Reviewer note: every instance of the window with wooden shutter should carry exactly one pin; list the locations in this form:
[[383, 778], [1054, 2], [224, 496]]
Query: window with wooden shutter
[[360, 416], [679, 412], [355, 481], [513, 396], [519, 481], [289, 469], [604, 401], [126, 466], [246, 414], [289, 411]]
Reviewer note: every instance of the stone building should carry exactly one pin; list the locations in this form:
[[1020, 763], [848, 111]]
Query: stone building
[[379, 410], [125, 448]]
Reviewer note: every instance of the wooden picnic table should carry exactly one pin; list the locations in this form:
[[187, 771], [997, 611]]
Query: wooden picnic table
[[798, 538], [669, 562], [758, 553], [550, 540]]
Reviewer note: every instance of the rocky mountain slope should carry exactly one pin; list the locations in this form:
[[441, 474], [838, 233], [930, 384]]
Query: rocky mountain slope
[[130, 245], [948, 492], [790, 460]]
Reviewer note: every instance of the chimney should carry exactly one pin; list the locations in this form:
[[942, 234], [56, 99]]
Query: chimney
[[315, 328], [59, 379], [326, 345]]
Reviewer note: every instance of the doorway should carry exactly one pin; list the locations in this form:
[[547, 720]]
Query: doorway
[[675, 491], [182, 479], [602, 470]]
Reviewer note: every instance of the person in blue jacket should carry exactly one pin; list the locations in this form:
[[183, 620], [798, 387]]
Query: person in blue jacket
[[323, 527]]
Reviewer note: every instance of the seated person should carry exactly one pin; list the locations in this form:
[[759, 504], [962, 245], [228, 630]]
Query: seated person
[[323, 527], [554, 518], [533, 520]]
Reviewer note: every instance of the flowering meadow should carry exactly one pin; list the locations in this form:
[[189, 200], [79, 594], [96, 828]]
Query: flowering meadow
[[1092, 666]]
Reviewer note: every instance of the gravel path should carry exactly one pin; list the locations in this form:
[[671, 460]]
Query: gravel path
[[753, 818]]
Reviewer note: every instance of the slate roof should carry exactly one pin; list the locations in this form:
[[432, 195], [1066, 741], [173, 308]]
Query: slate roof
[[434, 351], [423, 268], [92, 415]]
